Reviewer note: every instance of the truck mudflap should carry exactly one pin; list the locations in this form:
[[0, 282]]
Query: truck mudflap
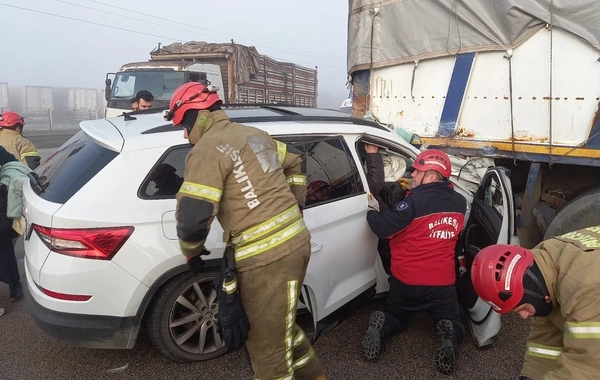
[[484, 324]]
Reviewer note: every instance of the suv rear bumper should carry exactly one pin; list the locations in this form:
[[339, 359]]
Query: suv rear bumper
[[92, 331]]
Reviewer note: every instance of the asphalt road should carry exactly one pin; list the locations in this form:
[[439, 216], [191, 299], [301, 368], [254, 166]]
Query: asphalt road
[[27, 353]]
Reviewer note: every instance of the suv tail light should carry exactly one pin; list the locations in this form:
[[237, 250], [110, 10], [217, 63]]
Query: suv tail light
[[89, 243]]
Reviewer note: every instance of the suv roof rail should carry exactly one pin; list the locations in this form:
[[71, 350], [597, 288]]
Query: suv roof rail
[[130, 115], [282, 118]]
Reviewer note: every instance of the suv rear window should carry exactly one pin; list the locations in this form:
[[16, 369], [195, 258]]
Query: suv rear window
[[71, 167]]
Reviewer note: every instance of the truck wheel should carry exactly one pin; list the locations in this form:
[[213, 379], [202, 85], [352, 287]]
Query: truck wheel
[[182, 321], [582, 211]]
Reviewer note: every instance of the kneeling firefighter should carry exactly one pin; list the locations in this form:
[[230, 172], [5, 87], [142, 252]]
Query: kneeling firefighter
[[255, 187]]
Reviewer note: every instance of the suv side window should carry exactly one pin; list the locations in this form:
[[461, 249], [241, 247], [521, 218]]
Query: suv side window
[[166, 177], [330, 170]]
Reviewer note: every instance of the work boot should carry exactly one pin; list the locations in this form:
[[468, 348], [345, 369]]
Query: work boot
[[16, 291], [372, 343], [445, 356]]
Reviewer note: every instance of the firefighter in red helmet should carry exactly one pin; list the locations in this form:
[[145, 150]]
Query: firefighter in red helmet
[[11, 138], [255, 186], [318, 191], [556, 283], [423, 230]]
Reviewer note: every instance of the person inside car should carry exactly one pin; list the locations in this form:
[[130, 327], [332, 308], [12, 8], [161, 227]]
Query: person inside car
[[318, 191], [423, 230], [166, 180]]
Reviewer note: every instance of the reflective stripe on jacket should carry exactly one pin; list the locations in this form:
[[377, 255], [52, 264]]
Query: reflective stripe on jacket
[[20, 147], [253, 184]]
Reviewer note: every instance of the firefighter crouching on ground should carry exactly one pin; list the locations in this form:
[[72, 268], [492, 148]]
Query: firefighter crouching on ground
[[423, 230], [243, 177], [557, 283], [12, 140]]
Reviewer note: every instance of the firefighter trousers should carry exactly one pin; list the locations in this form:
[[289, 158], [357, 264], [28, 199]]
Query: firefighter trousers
[[405, 300], [278, 348]]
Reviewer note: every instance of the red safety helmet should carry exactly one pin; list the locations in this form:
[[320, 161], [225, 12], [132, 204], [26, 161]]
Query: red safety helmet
[[497, 274], [191, 96], [10, 119], [313, 187], [434, 159]]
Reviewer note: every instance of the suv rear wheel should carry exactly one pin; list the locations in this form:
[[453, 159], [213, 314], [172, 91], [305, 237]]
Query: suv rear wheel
[[182, 321]]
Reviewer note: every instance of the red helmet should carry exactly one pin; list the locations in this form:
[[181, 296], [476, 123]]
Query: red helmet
[[313, 187], [497, 274], [10, 119], [191, 96], [434, 159]]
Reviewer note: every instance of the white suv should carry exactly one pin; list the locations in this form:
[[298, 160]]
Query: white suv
[[102, 256]]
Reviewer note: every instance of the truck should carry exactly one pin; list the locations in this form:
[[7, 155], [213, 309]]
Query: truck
[[515, 82], [3, 96], [240, 72]]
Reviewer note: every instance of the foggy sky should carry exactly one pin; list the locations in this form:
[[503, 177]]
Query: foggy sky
[[44, 50]]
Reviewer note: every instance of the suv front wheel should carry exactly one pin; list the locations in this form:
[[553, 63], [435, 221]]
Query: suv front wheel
[[182, 321]]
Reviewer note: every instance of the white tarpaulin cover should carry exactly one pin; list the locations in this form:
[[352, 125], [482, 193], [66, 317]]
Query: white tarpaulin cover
[[398, 31]]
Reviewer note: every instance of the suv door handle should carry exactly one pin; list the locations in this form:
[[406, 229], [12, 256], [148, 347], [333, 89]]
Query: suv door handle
[[315, 247]]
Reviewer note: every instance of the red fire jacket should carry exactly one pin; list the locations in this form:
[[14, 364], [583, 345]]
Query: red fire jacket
[[423, 229]]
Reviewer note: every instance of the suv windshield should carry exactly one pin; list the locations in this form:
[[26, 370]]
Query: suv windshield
[[161, 84], [71, 167]]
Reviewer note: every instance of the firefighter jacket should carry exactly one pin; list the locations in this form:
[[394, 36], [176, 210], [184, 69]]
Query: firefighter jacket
[[423, 229], [20, 147], [566, 344], [253, 184]]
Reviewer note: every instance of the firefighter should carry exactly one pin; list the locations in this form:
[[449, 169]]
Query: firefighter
[[255, 187], [318, 191], [12, 140], [423, 230], [557, 284]]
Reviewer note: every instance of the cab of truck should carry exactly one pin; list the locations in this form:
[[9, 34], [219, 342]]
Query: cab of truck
[[160, 78]]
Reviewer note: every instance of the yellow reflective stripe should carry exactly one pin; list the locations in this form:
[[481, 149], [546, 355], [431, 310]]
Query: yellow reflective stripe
[[296, 179], [281, 152], [271, 241], [29, 154], [189, 245], [303, 360], [290, 321], [260, 230], [230, 287], [583, 330], [197, 190], [544, 352], [299, 338]]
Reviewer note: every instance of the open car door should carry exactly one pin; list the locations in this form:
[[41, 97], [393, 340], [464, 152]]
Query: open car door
[[491, 221]]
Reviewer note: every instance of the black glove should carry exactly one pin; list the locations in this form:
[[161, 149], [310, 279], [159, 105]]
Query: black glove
[[196, 264], [232, 320]]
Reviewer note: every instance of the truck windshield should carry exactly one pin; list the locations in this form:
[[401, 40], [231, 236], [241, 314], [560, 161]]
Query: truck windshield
[[161, 84]]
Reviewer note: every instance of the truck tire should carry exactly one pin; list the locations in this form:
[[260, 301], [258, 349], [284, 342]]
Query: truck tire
[[581, 212], [182, 321]]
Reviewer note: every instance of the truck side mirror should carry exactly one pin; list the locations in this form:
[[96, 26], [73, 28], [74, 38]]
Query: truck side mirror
[[108, 83]]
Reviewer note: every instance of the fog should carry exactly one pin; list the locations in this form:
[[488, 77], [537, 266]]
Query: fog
[[47, 50]]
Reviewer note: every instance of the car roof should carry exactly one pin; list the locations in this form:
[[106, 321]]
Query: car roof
[[148, 129]]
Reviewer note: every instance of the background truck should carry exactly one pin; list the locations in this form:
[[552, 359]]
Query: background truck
[[242, 74], [514, 80], [45, 107]]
